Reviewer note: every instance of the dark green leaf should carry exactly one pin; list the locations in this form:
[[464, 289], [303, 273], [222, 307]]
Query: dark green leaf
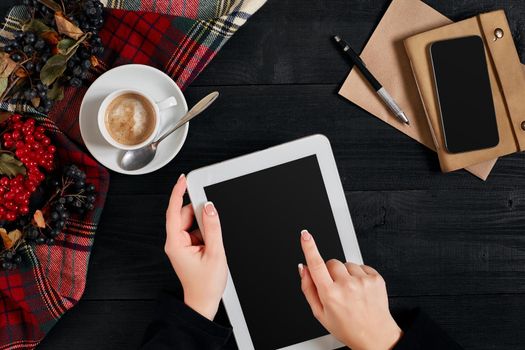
[[10, 166], [75, 47], [53, 69], [56, 93], [3, 84], [36, 26], [65, 45], [70, 46], [51, 4]]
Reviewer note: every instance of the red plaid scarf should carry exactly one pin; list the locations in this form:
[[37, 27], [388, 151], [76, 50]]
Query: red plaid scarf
[[181, 42], [51, 279]]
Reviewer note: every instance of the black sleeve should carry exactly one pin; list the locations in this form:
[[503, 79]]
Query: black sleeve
[[421, 333], [177, 326]]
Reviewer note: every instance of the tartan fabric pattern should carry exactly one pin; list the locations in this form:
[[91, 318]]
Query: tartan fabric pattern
[[51, 279], [179, 37]]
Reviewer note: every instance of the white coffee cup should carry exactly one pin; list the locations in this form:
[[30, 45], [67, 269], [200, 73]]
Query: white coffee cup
[[157, 107]]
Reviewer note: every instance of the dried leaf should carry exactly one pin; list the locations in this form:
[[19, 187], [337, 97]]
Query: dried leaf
[[4, 116], [14, 236], [53, 69], [11, 166], [21, 73], [56, 93], [51, 4], [10, 238], [94, 61], [65, 45], [5, 238], [7, 65], [36, 26], [39, 219], [3, 84], [35, 101], [67, 28], [50, 37], [8, 35]]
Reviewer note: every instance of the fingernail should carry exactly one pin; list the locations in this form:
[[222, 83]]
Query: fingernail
[[305, 235], [181, 176], [301, 269], [209, 208]]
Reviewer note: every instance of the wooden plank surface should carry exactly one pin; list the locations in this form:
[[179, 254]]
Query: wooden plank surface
[[288, 41], [449, 243], [369, 153]]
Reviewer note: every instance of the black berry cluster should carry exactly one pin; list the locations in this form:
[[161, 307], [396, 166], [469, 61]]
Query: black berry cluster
[[32, 48], [88, 16], [40, 10], [10, 259], [31, 53], [83, 197], [69, 195]]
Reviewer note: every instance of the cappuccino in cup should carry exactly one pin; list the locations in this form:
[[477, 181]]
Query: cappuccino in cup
[[130, 119]]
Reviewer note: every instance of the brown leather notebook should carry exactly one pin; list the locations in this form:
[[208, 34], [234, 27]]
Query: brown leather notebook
[[386, 57], [507, 82]]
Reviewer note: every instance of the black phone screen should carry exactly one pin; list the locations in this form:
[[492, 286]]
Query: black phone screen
[[262, 214], [464, 94]]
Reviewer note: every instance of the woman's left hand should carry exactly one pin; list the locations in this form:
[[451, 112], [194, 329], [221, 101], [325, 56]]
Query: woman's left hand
[[198, 258]]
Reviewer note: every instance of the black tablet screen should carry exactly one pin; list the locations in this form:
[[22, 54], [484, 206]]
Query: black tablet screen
[[465, 96], [262, 215]]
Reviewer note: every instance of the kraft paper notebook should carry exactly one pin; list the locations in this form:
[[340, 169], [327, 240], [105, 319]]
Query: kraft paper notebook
[[386, 57], [506, 79]]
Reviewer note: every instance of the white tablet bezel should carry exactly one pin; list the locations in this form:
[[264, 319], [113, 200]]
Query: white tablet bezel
[[312, 145]]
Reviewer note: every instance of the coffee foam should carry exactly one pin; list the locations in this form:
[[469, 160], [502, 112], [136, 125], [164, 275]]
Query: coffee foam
[[130, 119]]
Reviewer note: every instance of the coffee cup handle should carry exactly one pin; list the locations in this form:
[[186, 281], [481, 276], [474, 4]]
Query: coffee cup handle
[[167, 103]]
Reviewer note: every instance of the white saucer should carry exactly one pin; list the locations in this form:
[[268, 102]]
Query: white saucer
[[154, 83]]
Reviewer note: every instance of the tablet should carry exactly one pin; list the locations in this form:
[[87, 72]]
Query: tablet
[[264, 200]]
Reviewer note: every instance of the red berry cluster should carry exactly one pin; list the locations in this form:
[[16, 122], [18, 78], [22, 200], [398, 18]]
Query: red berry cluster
[[33, 148]]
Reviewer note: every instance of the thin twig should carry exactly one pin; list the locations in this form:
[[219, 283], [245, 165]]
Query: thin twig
[[9, 87]]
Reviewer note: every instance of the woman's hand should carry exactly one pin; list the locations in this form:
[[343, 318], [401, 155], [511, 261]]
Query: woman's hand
[[197, 258], [349, 300]]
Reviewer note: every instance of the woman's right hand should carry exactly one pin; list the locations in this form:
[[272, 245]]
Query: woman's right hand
[[349, 300]]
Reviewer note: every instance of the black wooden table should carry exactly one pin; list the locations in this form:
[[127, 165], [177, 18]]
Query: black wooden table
[[449, 243]]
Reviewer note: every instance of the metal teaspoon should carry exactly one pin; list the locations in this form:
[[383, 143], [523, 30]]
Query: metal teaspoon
[[139, 158]]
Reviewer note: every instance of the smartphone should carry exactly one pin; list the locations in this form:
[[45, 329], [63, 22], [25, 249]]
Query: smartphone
[[464, 94]]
